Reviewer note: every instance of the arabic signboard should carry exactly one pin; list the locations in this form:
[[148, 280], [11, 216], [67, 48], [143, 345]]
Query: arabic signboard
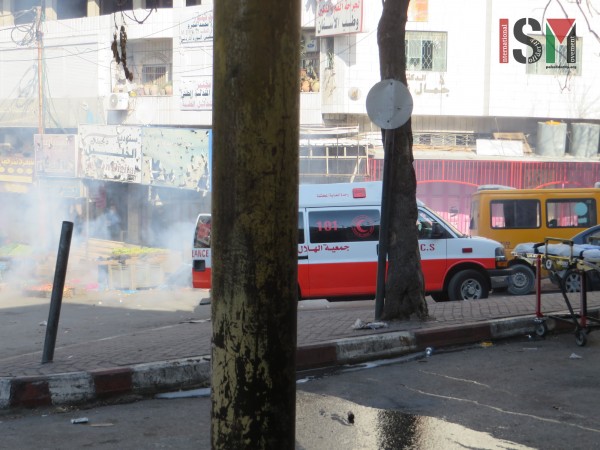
[[197, 30], [177, 157], [55, 155], [15, 188], [16, 169], [339, 17], [196, 93], [64, 188], [111, 152]]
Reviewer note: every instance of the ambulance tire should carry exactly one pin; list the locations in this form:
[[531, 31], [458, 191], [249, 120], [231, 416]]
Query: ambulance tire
[[468, 284], [522, 280]]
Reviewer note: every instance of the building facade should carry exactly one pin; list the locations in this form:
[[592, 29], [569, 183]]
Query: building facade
[[71, 66]]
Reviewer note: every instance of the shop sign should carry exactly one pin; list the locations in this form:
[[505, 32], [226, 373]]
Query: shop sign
[[68, 188], [197, 30], [177, 157], [195, 93], [16, 169], [111, 152], [55, 155], [336, 17]]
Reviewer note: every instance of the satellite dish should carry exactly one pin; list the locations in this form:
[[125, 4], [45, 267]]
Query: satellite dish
[[389, 104]]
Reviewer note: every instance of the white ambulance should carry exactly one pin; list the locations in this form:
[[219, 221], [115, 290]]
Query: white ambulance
[[338, 231]]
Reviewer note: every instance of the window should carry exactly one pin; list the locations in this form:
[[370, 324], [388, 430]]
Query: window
[[425, 51], [424, 225], [593, 239], [193, 2], [155, 74], [474, 215], [159, 4], [203, 229], [309, 61], [112, 6], [23, 5], [300, 228], [330, 49], [571, 213], [349, 225], [515, 214], [560, 66], [71, 9], [24, 11]]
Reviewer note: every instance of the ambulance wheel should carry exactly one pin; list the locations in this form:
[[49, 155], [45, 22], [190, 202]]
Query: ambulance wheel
[[522, 280], [468, 285]]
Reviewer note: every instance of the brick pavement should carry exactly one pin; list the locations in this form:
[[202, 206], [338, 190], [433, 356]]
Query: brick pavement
[[325, 337]]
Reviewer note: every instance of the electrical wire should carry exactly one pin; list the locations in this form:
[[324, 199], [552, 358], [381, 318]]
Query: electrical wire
[[30, 37]]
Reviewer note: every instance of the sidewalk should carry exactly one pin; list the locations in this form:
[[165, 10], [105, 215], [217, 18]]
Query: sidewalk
[[177, 356]]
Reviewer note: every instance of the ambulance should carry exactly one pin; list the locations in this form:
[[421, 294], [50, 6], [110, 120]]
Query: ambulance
[[338, 237]]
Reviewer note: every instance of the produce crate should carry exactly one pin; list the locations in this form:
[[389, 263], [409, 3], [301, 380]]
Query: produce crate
[[135, 276]]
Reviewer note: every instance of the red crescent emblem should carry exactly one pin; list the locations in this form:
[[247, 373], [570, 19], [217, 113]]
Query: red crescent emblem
[[362, 226]]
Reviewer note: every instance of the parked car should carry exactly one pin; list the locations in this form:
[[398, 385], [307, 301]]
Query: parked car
[[591, 236]]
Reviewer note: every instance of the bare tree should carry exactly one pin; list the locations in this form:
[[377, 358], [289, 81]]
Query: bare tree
[[255, 219], [404, 290]]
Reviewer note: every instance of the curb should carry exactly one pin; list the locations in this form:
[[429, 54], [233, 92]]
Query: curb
[[80, 387], [150, 378]]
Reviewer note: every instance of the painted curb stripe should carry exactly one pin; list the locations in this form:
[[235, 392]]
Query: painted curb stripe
[[442, 337], [30, 392], [78, 387], [112, 382]]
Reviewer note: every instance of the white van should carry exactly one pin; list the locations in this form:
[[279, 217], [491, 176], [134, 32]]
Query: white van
[[338, 230]]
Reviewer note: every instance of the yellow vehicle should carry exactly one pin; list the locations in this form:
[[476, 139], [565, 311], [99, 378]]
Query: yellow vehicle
[[513, 216]]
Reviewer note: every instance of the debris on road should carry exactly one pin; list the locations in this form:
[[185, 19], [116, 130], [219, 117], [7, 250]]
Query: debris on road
[[192, 393], [360, 325], [80, 420]]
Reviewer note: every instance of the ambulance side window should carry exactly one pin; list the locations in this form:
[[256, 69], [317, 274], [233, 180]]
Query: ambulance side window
[[424, 226], [349, 225], [202, 234], [300, 228]]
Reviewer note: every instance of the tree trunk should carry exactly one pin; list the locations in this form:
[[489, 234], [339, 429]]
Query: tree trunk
[[404, 290], [255, 219]]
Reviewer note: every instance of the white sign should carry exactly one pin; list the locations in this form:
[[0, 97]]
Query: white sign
[[198, 30], [339, 17], [111, 152], [196, 93]]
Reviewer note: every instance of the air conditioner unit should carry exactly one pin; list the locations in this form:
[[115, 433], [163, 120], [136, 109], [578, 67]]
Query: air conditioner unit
[[118, 101]]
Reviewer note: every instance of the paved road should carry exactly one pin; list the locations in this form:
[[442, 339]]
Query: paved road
[[517, 394], [113, 343]]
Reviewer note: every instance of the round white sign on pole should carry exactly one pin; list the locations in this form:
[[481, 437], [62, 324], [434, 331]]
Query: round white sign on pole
[[389, 104]]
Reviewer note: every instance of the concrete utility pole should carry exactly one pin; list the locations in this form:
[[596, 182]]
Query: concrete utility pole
[[254, 223]]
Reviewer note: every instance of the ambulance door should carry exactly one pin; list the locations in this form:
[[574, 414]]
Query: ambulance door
[[303, 269], [433, 249], [342, 251]]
